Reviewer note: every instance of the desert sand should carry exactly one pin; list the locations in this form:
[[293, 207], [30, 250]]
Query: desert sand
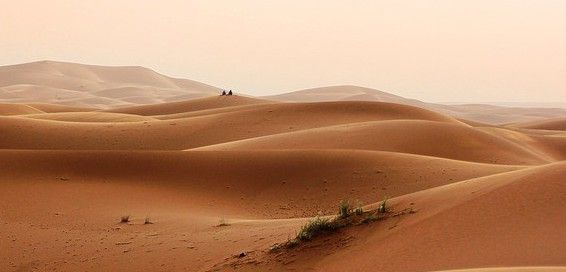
[[221, 179], [473, 112]]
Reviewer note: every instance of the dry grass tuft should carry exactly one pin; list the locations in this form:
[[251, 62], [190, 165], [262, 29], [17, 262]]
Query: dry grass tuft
[[125, 219]]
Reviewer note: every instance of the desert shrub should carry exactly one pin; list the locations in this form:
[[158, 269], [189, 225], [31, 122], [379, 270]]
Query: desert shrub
[[370, 218], [289, 244], [125, 219], [292, 242], [345, 209], [147, 221], [359, 210], [222, 223], [383, 207], [320, 225], [314, 228]]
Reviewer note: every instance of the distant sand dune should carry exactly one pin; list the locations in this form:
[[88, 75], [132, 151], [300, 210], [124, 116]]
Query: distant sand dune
[[93, 86], [475, 112], [547, 124], [105, 87]]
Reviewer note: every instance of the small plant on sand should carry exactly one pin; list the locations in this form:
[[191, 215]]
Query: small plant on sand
[[345, 209], [346, 217], [222, 223], [125, 219], [370, 218], [147, 221], [383, 207], [359, 210], [290, 243], [315, 227]]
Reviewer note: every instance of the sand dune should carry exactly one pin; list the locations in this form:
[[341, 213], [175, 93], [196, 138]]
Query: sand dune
[[29, 109], [78, 151], [553, 144], [89, 117], [17, 109], [548, 124], [319, 180], [342, 93], [191, 105], [77, 197], [93, 86], [185, 205], [53, 108], [467, 224], [186, 133], [490, 114], [502, 115], [438, 139]]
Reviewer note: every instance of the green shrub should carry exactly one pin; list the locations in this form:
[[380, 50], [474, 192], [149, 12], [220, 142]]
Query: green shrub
[[359, 210], [370, 218], [345, 209], [383, 207], [314, 228]]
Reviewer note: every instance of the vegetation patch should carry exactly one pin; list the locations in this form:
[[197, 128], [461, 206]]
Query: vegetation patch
[[359, 210], [383, 207], [315, 227], [345, 209], [125, 219], [222, 223], [346, 217], [370, 218]]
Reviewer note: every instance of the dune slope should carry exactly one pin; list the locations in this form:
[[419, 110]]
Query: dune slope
[[185, 133], [257, 179], [547, 124], [17, 109], [211, 184], [438, 139], [207, 103], [505, 220]]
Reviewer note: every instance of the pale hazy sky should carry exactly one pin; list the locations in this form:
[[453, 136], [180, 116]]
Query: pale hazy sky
[[436, 50]]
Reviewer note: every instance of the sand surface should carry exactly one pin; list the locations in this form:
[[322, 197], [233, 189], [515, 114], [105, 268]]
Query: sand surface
[[482, 196], [474, 112]]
